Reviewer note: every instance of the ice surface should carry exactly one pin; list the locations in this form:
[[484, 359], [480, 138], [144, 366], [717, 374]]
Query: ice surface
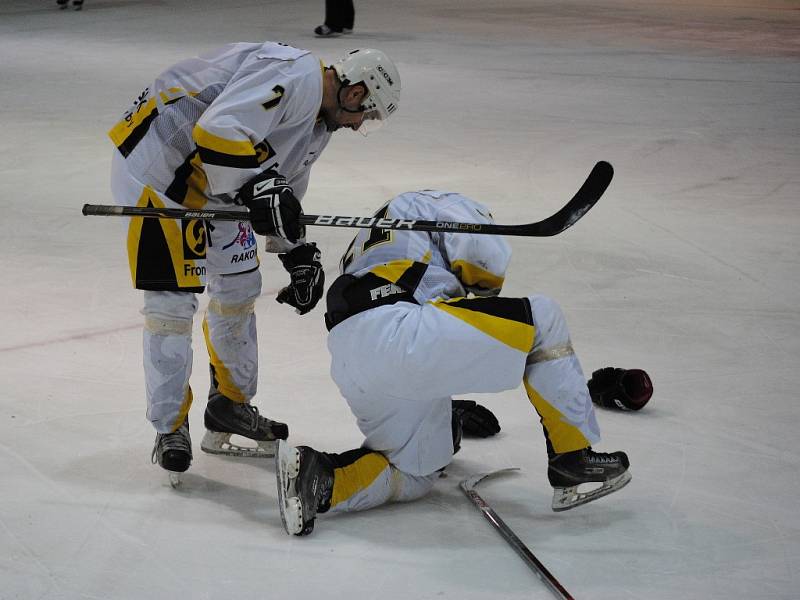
[[688, 267]]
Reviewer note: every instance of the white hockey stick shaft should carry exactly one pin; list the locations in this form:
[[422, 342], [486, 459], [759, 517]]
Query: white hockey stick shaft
[[468, 487]]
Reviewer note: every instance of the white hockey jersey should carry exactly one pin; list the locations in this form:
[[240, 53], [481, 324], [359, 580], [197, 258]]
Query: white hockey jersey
[[210, 123], [457, 262]]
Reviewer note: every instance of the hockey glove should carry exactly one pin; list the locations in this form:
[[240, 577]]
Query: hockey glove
[[273, 208], [476, 420], [307, 278], [624, 389]]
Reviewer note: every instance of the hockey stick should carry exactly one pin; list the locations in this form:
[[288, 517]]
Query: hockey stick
[[586, 197], [468, 487]]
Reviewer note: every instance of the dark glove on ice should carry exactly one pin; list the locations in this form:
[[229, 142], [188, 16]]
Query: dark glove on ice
[[476, 420], [623, 389]]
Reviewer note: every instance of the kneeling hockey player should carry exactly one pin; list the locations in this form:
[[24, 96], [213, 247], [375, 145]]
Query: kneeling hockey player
[[405, 336]]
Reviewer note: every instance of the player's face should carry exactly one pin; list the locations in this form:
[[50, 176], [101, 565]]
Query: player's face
[[349, 113], [350, 120]]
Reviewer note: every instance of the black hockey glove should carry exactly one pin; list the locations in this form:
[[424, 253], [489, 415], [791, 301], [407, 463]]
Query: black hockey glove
[[624, 389], [308, 278], [273, 208], [476, 420]]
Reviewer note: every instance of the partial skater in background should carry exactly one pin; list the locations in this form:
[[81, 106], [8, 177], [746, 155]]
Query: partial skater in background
[[415, 318], [76, 4], [339, 18]]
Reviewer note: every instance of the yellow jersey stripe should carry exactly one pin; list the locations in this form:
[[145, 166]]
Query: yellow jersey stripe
[[130, 130], [222, 145], [392, 271], [474, 276], [512, 333], [134, 126]]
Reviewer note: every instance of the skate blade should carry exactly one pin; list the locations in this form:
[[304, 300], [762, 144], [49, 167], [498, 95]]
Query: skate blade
[[216, 442], [174, 479], [287, 466], [569, 497]]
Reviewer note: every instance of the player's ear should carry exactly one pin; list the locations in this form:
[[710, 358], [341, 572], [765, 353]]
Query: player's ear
[[356, 93]]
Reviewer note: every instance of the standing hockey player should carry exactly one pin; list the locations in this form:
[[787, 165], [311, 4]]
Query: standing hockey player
[[239, 125], [404, 338]]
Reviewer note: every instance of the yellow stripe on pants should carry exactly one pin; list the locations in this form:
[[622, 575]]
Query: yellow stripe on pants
[[564, 436], [355, 477]]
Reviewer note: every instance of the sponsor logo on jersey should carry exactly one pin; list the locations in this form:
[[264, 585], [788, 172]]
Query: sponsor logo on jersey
[[385, 291], [193, 271], [194, 239], [243, 256], [246, 240]]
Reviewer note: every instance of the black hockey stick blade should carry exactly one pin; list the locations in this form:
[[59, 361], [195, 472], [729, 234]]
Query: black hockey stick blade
[[585, 198], [468, 487]]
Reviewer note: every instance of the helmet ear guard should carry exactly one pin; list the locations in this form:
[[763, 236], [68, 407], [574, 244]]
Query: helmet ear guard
[[378, 74]]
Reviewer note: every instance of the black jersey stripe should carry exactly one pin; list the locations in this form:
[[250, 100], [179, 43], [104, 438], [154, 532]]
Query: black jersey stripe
[[212, 157], [514, 309], [188, 185], [137, 133]]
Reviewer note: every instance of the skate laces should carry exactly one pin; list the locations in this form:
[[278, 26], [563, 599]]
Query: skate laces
[[250, 413], [171, 441], [600, 457]]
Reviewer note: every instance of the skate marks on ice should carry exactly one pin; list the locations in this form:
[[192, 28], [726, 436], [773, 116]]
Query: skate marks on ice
[[87, 335]]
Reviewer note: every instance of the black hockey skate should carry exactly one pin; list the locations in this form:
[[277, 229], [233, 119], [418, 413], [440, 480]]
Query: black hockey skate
[[569, 470], [224, 418], [173, 452], [305, 486], [325, 31]]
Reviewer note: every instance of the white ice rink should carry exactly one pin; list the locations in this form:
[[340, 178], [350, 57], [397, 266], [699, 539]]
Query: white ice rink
[[688, 267]]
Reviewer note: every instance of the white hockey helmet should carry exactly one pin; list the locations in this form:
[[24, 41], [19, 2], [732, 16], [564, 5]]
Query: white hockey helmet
[[378, 73]]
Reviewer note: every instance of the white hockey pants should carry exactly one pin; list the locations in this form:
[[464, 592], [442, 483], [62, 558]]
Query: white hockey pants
[[230, 333], [399, 365]]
